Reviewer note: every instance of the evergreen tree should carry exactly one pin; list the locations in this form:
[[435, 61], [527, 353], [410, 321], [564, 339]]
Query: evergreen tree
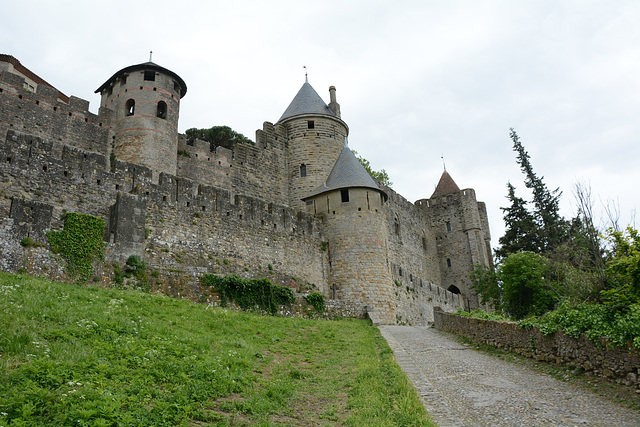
[[520, 233], [550, 227]]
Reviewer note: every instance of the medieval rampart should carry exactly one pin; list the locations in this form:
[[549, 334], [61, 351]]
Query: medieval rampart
[[42, 115], [225, 211]]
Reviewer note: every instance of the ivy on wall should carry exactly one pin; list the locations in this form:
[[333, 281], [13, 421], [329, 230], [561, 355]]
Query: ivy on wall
[[80, 243], [249, 293], [316, 300]]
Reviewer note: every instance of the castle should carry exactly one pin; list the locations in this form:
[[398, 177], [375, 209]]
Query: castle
[[297, 206]]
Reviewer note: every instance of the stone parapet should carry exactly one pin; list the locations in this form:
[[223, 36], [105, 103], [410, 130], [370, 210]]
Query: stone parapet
[[619, 364]]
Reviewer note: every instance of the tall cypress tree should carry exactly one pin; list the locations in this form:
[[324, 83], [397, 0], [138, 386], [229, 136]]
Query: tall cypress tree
[[520, 232], [551, 228], [540, 229]]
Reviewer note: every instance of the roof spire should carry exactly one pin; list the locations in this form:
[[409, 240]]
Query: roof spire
[[443, 164], [306, 80], [150, 55]]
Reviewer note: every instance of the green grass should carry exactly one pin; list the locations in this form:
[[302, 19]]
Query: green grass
[[83, 356]]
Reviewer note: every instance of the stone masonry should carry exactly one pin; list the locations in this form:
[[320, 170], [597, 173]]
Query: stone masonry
[[257, 210]]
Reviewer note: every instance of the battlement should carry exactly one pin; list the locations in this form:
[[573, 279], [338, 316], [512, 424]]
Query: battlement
[[185, 207], [42, 114]]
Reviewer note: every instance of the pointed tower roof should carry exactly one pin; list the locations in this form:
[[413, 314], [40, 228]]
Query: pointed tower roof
[[445, 186], [306, 102], [347, 172]]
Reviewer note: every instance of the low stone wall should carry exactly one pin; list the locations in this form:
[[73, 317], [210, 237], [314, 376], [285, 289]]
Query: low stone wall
[[619, 364]]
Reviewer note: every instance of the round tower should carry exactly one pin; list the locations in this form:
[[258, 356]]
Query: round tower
[[145, 100], [351, 203], [315, 134]]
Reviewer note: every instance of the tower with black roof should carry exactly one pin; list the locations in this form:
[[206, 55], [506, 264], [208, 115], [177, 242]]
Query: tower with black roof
[[145, 103], [315, 136]]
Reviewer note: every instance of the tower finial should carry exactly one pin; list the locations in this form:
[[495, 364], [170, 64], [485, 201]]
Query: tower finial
[[443, 164], [150, 55], [306, 80]]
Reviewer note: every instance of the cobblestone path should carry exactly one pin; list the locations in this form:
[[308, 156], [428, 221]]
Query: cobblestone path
[[461, 386]]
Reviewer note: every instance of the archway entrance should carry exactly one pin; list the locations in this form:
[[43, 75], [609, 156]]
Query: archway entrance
[[454, 289]]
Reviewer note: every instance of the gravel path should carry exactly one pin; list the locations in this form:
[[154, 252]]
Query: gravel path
[[460, 386]]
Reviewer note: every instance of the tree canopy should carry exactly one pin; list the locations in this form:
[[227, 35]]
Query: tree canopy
[[217, 136], [541, 229], [380, 175]]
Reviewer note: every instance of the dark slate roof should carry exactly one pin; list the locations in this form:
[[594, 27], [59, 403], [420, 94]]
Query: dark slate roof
[[445, 186], [145, 66], [348, 172], [306, 102]]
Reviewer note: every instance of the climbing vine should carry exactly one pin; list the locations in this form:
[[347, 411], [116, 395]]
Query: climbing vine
[[249, 293], [79, 243]]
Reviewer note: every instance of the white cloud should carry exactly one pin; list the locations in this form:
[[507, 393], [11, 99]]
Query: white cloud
[[415, 79]]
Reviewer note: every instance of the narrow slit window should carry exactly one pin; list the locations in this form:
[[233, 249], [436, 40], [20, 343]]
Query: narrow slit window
[[344, 194], [303, 170], [448, 226]]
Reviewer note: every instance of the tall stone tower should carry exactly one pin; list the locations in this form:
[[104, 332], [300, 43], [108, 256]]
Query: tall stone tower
[[462, 235], [145, 101], [351, 203], [316, 135]]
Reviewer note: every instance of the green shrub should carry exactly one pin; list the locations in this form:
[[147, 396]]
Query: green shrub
[[27, 242], [249, 293], [482, 314], [595, 321], [316, 300]]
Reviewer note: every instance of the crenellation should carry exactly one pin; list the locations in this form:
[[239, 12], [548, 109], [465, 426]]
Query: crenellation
[[78, 104], [188, 210]]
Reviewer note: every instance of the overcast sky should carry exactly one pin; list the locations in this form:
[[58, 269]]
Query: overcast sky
[[416, 80]]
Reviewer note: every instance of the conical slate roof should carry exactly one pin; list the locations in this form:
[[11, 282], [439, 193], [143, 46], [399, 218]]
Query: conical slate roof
[[445, 186], [307, 101], [348, 172]]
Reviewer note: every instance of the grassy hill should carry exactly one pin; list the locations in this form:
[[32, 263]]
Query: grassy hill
[[85, 356]]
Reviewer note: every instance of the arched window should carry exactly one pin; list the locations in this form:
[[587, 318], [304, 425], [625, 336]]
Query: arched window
[[449, 262], [303, 170], [396, 226], [130, 107], [161, 110]]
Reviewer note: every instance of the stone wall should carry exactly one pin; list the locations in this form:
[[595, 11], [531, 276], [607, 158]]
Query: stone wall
[[620, 364], [316, 148], [223, 211], [252, 170], [414, 263], [42, 115]]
